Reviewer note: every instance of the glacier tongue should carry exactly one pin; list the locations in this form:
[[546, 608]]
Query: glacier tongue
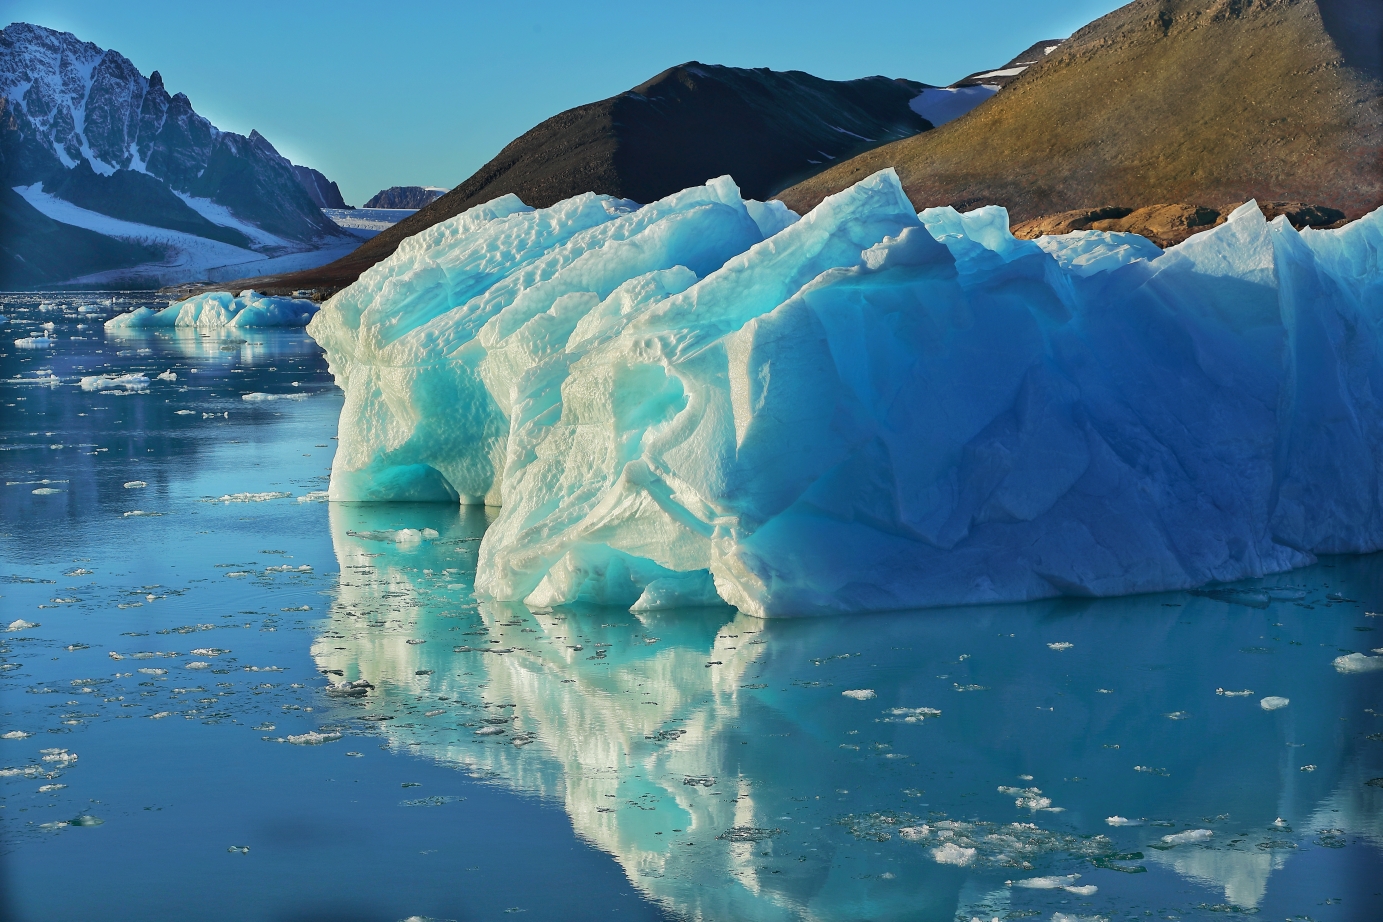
[[704, 399]]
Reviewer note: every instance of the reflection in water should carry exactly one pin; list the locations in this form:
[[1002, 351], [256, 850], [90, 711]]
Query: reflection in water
[[742, 769]]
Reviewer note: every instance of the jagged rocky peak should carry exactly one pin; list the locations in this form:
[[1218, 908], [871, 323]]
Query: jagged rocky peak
[[406, 197], [70, 101]]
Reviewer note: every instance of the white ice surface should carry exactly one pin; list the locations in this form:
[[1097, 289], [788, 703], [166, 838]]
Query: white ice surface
[[868, 409], [942, 104], [220, 214], [191, 257]]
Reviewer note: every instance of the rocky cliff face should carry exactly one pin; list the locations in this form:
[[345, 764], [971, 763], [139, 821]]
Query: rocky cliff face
[[322, 191], [69, 102]]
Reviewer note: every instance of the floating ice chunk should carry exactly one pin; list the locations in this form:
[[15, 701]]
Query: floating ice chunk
[[909, 715], [209, 651], [316, 496], [951, 853], [1121, 821], [250, 497], [1273, 703], [153, 670], [1031, 798], [1060, 646], [257, 397], [46, 788], [46, 491], [15, 735], [1234, 694], [85, 820], [34, 342], [1357, 662], [218, 310], [1066, 882], [197, 664], [60, 756], [169, 375], [313, 738], [1188, 837], [239, 849], [135, 513], [132, 382], [859, 694], [21, 625], [135, 484]]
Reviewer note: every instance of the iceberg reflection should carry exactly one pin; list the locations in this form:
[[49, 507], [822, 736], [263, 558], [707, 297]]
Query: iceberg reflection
[[909, 765]]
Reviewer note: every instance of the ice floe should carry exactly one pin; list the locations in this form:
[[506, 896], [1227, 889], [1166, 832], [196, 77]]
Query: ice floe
[[218, 310]]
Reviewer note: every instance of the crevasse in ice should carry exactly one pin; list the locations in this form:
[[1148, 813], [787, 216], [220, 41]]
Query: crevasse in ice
[[703, 399], [218, 310]]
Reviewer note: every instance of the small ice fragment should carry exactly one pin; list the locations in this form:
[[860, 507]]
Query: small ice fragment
[[239, 849], [1273, 703], [1177, 715], [168, 375], [260, 398], [951, 853], [86, 820], [197, 664], [1062, 645], [153, 670], [1045, 883], [15, 735], [859, 694], [1279, 822], [1308, 768], [45, 788], [313, 738], [1354, 663], [130, 382], [209, 651], [21, 625], [250, 497], [113, 655], [135, 484], [434, 713], [34, 342], [1121, 821], [184, 412], [1234, 694], [316, 496], [46, 491], [160, 715], [1188, 837]]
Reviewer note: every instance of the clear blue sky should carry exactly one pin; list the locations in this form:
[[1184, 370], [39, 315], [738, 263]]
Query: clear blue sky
[[398, 92]]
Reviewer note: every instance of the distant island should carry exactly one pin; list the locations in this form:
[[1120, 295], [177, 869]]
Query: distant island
[[414, 197]]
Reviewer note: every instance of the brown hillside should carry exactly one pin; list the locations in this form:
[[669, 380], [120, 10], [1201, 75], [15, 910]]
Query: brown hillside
[[1204, 101]]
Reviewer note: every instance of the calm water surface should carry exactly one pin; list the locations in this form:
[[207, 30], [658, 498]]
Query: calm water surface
[[173, 746]]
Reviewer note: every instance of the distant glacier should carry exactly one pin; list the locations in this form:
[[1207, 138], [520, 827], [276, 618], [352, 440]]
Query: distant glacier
[[706, 400]]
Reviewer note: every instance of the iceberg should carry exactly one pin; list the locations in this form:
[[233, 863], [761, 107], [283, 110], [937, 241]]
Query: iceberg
[[707, 400], [216, 310]]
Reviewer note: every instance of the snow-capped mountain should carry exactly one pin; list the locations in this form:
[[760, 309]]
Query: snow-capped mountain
[[67, 104]]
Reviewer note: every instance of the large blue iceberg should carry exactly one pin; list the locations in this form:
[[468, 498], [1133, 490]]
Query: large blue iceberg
[[706, 399], [217, 310]]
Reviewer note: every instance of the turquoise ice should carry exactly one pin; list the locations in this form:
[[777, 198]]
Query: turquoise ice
[[703, 399], [215, 310]]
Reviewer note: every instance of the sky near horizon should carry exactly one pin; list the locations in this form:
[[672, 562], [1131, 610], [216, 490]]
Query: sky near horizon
[[425, 93]]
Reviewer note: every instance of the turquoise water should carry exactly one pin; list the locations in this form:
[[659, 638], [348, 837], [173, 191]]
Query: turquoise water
[[938, 765]]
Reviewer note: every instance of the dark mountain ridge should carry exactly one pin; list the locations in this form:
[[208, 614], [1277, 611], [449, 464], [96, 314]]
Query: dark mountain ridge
[[688, 124]]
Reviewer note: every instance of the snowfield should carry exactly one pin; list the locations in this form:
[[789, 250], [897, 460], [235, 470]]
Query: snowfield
[[190, 256], [706, 399]]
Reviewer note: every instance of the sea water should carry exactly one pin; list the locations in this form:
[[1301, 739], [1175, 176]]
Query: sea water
[[223, 698]]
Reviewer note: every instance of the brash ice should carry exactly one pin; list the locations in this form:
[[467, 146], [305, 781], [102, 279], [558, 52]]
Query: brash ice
[[706, 399]]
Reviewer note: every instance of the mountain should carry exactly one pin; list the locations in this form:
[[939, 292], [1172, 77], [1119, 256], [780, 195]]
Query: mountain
[[406, 197], [1165, 101], [942, 104], [82, 125], [688, 124], [36, 251], [323, 192]]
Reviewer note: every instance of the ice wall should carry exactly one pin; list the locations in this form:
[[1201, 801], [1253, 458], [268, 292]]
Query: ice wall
[[216, 310], [702, 400]]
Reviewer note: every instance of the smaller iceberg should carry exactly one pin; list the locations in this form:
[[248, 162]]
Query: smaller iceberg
[[216, 310]]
